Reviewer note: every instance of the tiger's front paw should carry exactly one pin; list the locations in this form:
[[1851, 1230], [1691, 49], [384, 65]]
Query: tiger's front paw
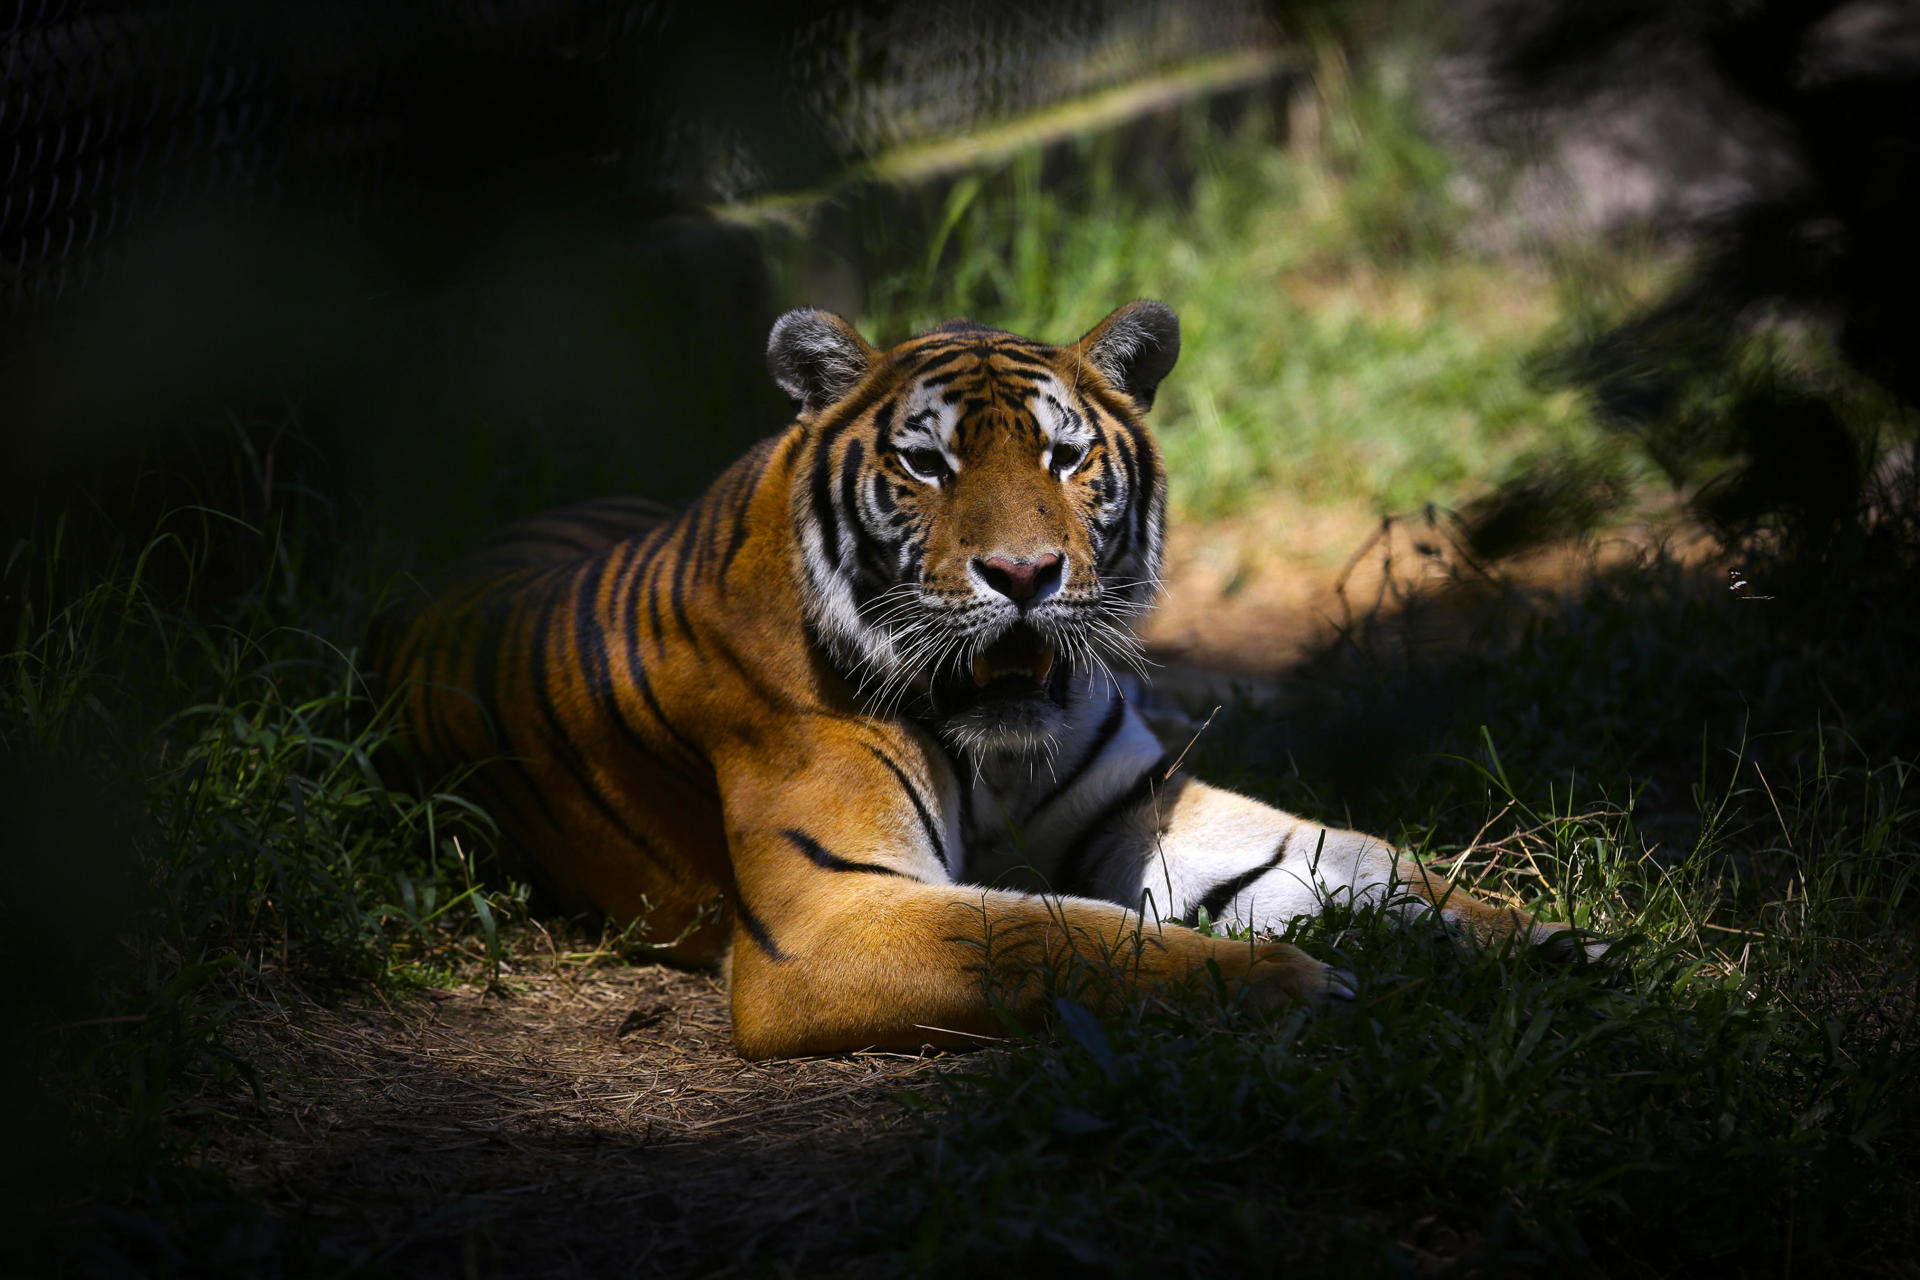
[[1282, 976], [1562, 943]]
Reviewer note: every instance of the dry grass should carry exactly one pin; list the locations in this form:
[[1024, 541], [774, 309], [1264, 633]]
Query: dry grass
[[579, 1124]]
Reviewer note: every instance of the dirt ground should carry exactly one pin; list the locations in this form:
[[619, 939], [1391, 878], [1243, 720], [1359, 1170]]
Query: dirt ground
[[1259, 610], [1253, 596], [585, 1123]]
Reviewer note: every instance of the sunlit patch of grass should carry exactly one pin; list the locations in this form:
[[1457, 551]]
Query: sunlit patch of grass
[[408, 978], [1342, 342]]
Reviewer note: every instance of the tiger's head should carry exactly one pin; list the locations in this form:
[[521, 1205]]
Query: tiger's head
[[979, 515]]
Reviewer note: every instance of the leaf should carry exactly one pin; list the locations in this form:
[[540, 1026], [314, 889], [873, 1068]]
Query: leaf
[[1072, 1120], [1531, 1038], [488, 926], [1087, 1031], [299, 803]]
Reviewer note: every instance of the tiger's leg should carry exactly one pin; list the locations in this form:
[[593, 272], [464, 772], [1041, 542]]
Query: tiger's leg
[[849, 933], [1181, 848], [1238, 860]]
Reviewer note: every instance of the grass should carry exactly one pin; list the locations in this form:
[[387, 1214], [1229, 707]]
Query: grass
[[1726, 786], [1337, 345], [195, 771], [1727, 1087]]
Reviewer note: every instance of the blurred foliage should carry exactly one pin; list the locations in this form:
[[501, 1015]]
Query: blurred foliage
[[1339, 341], [1770, 376], [196, 824]]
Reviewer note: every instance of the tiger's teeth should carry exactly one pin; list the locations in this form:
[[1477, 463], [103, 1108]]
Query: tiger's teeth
[[982, 673], [1042, 665]]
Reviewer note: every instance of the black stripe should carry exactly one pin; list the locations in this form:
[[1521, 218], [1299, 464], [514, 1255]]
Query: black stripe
[[919, 806], [1123, 449], [823, 512], [683, 558], [1110, 527], [871, 560], [626, 590], [850, 463], [825, 858], [590, 638], [656, 564], [927, 357], [710, 508], [673, 731], [1073, 867], [874, 560], [1221, 894], [883, 427], [636, 667], [568, 751], [498, 616], [1102, 739], [755, 466], [637, 575], [756, 930], [1159, 529], [1149, 474], [656, 572]]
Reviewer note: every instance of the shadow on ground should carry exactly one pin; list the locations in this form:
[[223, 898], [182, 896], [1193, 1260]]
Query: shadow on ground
[[562, 1123]]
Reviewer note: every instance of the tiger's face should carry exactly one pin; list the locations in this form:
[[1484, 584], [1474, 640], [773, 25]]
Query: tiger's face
[[979, 515]]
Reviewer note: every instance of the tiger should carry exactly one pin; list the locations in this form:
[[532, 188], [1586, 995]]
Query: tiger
[[780, 725]]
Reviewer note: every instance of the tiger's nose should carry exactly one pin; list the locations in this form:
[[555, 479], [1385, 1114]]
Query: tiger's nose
[[1022, 581]]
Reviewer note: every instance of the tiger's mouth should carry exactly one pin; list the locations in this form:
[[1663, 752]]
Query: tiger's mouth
[[1022, 654], [1019, 666]]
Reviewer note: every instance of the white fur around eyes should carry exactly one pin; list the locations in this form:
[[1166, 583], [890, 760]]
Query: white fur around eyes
[[1060, 418], [926, 421]]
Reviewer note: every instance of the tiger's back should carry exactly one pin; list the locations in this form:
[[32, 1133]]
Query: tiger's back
[[529, 666]]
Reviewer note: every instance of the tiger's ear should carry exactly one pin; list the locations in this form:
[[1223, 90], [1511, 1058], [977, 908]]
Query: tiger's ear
[[1134, 348], [816, 357]]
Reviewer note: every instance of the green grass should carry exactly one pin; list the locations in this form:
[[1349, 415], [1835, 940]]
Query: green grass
[[197, 823], [1339, 343], [1727, 786], [1729, 1086]]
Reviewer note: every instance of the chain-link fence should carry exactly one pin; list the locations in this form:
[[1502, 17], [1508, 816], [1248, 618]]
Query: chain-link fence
[[117, 115], [900, 74]]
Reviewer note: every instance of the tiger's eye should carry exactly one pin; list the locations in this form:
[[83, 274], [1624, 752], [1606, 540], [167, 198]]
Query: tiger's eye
[[929, 464], [1067, 456]]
